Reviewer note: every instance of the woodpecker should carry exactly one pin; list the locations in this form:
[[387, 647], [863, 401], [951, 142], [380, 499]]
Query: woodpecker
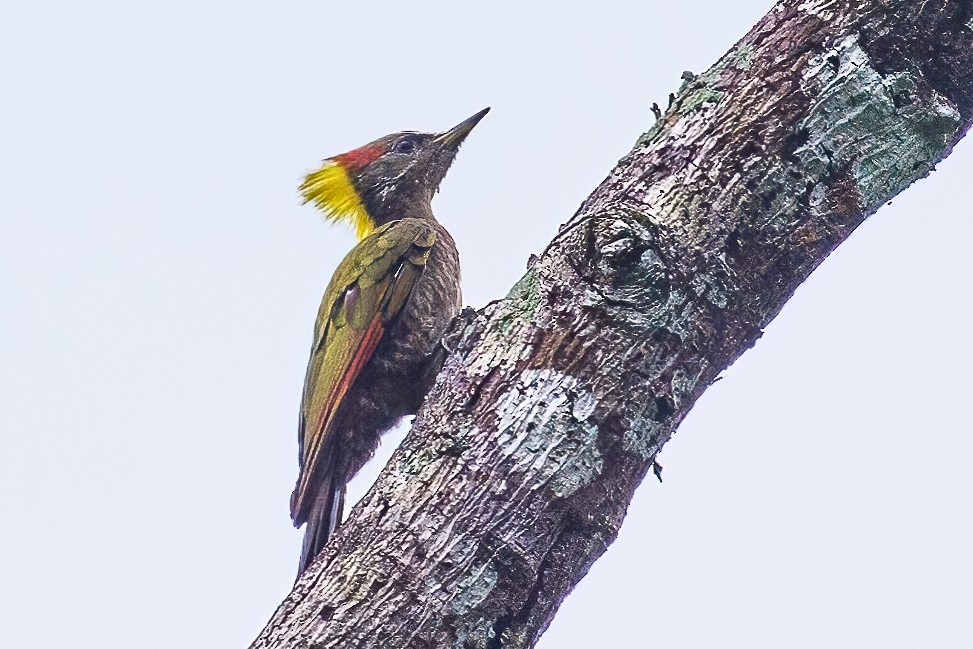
[[376, 344]]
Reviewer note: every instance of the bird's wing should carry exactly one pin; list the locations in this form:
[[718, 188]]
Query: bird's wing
[[368, 289]]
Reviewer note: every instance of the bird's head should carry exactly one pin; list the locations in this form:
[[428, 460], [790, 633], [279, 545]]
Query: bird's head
[[377, 183]]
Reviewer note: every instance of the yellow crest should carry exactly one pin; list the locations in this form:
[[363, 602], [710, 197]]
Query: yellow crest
[[331, 190]]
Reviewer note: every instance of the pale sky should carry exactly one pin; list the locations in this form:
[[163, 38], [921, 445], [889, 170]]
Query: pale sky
[[159, 279]]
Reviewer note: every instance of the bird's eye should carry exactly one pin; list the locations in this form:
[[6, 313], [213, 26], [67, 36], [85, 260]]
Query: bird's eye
[[406, 145]]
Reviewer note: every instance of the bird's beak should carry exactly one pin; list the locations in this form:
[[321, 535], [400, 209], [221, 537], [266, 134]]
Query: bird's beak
[[455, 136]]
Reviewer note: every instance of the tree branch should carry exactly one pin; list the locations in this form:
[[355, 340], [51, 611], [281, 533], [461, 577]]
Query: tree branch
[[549, 412]]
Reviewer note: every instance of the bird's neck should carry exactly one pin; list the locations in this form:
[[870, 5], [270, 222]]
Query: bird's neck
[[417, 205]]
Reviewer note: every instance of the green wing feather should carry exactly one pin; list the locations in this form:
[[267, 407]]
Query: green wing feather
[[366, 293]]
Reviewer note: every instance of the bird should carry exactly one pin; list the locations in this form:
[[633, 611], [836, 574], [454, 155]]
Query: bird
[[377, 338]]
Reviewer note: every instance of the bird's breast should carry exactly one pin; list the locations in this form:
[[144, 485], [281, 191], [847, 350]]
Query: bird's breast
[[435, 301]]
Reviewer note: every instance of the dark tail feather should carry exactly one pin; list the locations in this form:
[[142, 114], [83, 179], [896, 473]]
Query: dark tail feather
[[322, 521]]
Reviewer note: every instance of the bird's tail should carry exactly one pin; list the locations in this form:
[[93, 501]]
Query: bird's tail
[[323, 518]]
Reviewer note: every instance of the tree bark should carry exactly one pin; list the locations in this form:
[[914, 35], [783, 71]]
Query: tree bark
[[555, 400]]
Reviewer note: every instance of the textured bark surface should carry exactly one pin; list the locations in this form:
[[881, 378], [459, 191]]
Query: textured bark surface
[[519, 469]]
